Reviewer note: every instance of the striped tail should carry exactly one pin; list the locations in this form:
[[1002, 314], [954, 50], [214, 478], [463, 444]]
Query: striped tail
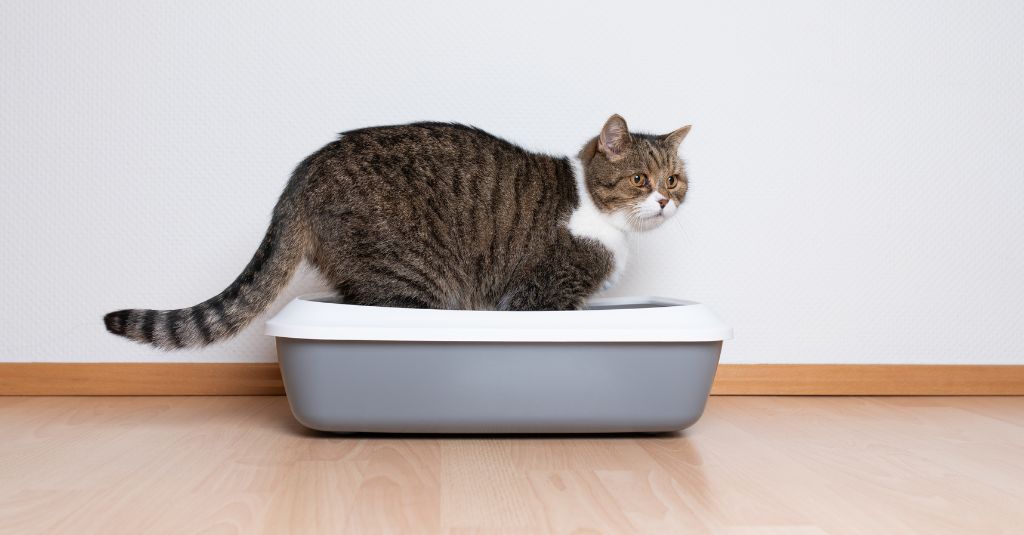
[[225, 314]]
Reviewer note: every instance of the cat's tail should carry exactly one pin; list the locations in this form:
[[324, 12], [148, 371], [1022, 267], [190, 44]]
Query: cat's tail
[[225, 314]]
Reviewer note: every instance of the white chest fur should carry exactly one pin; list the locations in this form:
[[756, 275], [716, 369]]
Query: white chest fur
[[589, 222]]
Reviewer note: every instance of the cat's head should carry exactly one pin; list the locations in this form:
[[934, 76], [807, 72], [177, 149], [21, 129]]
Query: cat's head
[[638, 179]]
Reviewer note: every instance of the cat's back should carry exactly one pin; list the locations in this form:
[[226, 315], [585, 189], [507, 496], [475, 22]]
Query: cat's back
[[434, 139], [447, 162]]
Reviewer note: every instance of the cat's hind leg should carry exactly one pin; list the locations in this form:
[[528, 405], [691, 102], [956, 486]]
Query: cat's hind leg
[[387, 300]]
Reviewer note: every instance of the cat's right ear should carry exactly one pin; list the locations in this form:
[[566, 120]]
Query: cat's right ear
[[614, 138]]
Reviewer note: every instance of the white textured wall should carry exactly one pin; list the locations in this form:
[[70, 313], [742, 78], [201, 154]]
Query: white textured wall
[[857, 167]]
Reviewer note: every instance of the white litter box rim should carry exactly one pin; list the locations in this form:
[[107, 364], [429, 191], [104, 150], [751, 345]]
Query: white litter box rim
[[663, 320]]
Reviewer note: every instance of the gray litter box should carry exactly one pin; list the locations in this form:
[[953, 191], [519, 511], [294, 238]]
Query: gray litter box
[[621, 365]]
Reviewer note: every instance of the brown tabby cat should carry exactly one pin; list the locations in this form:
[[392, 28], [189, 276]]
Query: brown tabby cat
[[434, 215]]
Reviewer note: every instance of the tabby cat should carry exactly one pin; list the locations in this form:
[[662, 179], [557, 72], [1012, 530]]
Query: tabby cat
[[436, 215]]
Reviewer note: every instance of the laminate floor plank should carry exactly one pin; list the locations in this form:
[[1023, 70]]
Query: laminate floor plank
[[752, 465]]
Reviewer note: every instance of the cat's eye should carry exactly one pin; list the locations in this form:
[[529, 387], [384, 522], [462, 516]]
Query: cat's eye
[[672, 181], [638, 180]]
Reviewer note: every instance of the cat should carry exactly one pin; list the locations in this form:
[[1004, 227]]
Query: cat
[[440, 215]]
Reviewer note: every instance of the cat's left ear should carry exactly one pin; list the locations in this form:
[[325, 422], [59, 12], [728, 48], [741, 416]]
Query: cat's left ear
[[676, 137]]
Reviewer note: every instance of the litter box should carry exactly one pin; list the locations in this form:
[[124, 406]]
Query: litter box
[[620, 365]]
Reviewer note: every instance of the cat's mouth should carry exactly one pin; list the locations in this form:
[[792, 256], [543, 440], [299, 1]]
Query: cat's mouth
[[649, 221]]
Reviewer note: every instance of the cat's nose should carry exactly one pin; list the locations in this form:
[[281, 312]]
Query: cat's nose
[[662, 202]]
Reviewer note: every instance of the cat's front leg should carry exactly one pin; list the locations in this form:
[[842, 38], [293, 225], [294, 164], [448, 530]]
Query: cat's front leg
[[611, 280], [540, 294], [573, 271]]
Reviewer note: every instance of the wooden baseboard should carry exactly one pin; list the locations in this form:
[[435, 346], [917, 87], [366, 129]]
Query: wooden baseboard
[[138, 379], [186, 379], [869, 380]]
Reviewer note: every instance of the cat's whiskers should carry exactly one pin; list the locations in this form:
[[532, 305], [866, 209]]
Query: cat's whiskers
[[683, 229], [634, 220]]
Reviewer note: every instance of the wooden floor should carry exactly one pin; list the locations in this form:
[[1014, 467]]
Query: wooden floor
[[795, 465]]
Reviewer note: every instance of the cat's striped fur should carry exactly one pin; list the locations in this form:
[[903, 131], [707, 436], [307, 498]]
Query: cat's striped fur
[[434, 215]]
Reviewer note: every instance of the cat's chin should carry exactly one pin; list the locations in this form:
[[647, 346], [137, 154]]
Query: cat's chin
[[649, 223]]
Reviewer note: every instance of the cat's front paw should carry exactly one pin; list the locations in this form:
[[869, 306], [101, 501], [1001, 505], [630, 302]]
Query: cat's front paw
[[609, 282]]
